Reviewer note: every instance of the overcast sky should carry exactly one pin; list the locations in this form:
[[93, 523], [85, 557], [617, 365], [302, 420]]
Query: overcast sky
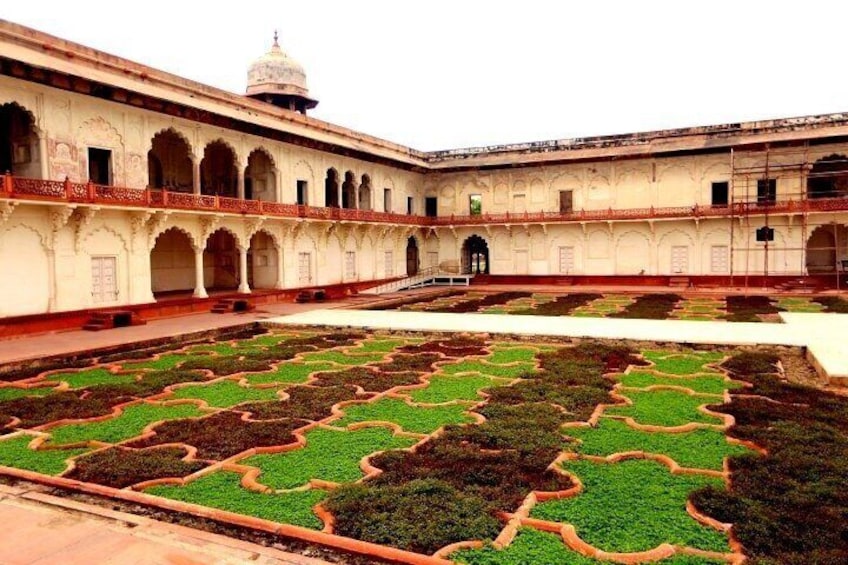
[[454, 73]]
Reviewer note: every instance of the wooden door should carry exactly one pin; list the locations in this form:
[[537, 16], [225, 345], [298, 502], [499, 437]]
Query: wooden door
[[104, 280]]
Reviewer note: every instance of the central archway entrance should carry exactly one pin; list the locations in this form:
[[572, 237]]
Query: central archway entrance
[[411, 257], [475, 256]]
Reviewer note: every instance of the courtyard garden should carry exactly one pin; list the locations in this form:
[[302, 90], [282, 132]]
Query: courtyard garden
[[661, 306], [463, 448]]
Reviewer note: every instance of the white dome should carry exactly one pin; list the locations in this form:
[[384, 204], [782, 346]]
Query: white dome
[[276, 73]]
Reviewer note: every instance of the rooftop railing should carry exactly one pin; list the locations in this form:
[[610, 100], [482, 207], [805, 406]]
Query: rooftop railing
[[14, 187]]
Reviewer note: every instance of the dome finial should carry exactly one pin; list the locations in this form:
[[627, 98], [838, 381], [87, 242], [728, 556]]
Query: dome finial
[[276, 43]]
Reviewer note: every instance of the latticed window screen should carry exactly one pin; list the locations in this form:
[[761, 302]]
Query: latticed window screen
[[719, 259], [566, 259]]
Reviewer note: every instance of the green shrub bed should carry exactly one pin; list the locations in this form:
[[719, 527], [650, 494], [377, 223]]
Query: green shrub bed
[[13, 393], [649, 306], [750, 308], [37, 410], [452, 347], [402, 363], [424, 513], [415, 419], [329, 455], [91, 377], [223, 490], [304, 402], [560, 306], [698, 449], [790, 505], [502, 371], [668, 408], [677, 363], [633, 505], [119, 467], [494, 299], [223, 394], [131, 422], [445, 389], [705, 384], [15, 453], [222, 435], [532, 547], [289, 373], [370, 379]]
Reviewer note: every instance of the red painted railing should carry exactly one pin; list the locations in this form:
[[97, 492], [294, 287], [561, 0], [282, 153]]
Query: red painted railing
[[90, 193]]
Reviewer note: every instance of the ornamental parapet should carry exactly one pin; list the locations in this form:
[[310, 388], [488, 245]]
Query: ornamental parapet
[[26, 189]]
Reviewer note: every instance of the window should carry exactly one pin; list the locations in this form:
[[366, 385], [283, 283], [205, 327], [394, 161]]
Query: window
[[99, 165], [409, 205], [519, 203], [766, 191], [765, 233], [350, 265], [390, 264], [566, 260], [566, 201], [719, 259], [302, 193], [475, 204], [387, 199], [720, 193], [431, 207]]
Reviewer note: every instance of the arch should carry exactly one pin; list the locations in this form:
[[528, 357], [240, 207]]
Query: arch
[[262, 260], [331, 188], [172, 262], [260, 176], [113, 231], [19, 142], [349, 198], [365, 193], [221, 260], [169, 161], [24, 278], [829, 177], [218, 169], [412, 256], [185, 231], [821, 250], [475, 256]]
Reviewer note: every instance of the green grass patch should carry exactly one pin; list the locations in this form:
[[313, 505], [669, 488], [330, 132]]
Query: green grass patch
[[667, 408], [91, 377], [167, 361], [415, 419], [266, 340], [506, 372], [699, 449], [223, 490], [633, 505], [224, 394], [706, 384], [445, 389], [507, 355], [683, 363], [11, 393], [343, 358], [129, 424], [377, 346], [219, 348], [329, 455], [532, 547], [290, 373], [15, 453]]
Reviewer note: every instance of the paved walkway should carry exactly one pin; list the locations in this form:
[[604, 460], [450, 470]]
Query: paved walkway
[[823, 334], [41, 529]]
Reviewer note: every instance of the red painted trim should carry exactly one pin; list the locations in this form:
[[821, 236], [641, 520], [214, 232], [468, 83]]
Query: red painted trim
[[702, 281]]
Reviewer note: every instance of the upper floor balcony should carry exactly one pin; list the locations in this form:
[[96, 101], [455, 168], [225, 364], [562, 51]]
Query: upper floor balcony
[[36, 190]]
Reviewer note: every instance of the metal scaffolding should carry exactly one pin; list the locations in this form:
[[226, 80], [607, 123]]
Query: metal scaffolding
[[781, 190]]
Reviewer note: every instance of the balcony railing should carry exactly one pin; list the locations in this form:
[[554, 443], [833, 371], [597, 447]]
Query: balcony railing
[[89, 193]]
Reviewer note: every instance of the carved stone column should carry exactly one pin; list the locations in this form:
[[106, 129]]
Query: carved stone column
[[240, 183], [199, 289], [195, 175], [243, 287], [281, 283]]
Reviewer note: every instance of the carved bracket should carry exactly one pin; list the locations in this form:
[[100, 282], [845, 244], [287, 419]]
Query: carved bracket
[[82, 218], [6, 209]]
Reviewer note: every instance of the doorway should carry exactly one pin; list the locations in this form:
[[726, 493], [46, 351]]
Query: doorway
[[411, 257], [475, 256]]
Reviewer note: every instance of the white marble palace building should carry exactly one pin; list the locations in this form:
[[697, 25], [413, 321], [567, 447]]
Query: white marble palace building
[[124, 184]]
